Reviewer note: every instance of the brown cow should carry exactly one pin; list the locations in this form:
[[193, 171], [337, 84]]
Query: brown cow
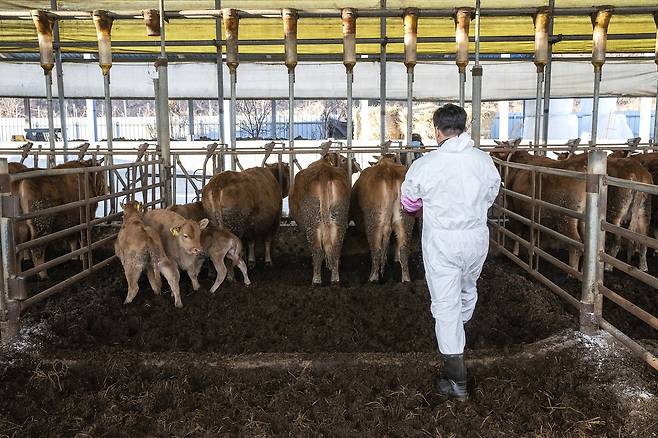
[[22, 231], [375, 208], [559, 190], [139, 248], [218, 244], [319, 203], [49, 191], [626, 207], [248, 204], [180, 237]]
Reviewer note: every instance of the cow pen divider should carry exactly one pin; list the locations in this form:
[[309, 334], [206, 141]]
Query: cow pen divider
[[14, 297], [594, 288]]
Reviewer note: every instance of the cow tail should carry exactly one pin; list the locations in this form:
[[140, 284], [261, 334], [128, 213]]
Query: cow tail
[[640, 213]]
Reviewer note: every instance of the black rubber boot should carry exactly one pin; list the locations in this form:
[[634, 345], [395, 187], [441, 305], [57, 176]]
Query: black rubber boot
[[453, 383]]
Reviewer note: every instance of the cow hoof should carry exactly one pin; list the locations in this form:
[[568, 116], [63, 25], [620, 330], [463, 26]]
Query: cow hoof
[[251, 264], [269, 264], [247, 283], [127, 301], [179, 305], [406, 280]]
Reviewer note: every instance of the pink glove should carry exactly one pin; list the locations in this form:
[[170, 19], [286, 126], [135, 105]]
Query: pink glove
[[414, 207]]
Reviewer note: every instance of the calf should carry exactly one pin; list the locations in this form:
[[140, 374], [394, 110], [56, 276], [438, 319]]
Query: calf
[[375, 208], [218, 244], [319, 203], [139, 247], [181, 239]]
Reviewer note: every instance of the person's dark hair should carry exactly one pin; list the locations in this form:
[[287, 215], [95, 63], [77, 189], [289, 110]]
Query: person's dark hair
[[450, 119]]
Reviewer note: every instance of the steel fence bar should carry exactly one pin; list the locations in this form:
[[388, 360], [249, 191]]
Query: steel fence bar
[[545, 281], [633, 185], [526, 221], [539, 202], [630, 307], [630, 270], [636, 348], [66, 283], [630, 235]]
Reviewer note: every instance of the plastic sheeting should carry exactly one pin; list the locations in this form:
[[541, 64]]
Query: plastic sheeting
[[502, 80], [272, 28]]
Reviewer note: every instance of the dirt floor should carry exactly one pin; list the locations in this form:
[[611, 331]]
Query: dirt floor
[[284, 358]]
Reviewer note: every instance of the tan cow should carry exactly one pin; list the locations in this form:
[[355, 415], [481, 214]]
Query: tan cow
[[218, 244], [626, 207], [139, 248], [49, 191], [319, 203], [181, 239], [375, 208], [248, 203]]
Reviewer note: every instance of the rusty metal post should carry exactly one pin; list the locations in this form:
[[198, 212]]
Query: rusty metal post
[[476, 75], [220, 75], [600, 22], [290, 34], [60, 82], [410, 59], [9, 309], [231, 25], [162, 101], [349, 60], [382, 76], [541, 20], [44, 25], [655, 121], [103, 22], [462, 20], [591, 298]]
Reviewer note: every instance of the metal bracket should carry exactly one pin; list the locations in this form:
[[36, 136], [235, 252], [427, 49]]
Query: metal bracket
[[10, 206], [17, 289], [593, 182]]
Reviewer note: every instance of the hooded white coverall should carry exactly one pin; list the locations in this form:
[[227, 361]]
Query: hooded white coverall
[[456, 184]]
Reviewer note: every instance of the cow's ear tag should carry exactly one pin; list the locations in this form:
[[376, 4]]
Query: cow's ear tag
[[175, 231]]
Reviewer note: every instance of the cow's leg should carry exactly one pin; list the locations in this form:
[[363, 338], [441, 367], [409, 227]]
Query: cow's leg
[[154, 279], [39, 252], [640, 223], [268, 252], [318, 256], [193, 272], [170, 272], [333, 242], [403, 230], [375, 242], [616, 242], [217, 259], [234, 256], [132, 271], [252, 254]]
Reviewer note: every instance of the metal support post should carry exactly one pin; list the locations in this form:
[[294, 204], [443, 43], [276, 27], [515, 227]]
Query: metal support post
[[476, 73], [220, 74], [190, 118], [51, 118], [410, 113], [110, 136], [9, 310], [60, 81], [655, 120], [162, 103], [291, 125], [28, 112], [382, 76], [538, 105], [595, 105], [273, 119], [547, 77], [232, 118], [462, 88], [591, 299], [350, 129]]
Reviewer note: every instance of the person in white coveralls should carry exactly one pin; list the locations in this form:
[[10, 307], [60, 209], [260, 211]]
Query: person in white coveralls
[[452, 188]]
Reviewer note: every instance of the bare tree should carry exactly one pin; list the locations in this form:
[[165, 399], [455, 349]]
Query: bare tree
[[12, 107], [253, 116], [331, 109]]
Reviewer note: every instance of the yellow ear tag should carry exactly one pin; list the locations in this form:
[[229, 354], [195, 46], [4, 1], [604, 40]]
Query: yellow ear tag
[[174, 231], [139, 206]]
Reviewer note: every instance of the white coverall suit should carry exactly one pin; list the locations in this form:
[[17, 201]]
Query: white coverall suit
[[457, 184]]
